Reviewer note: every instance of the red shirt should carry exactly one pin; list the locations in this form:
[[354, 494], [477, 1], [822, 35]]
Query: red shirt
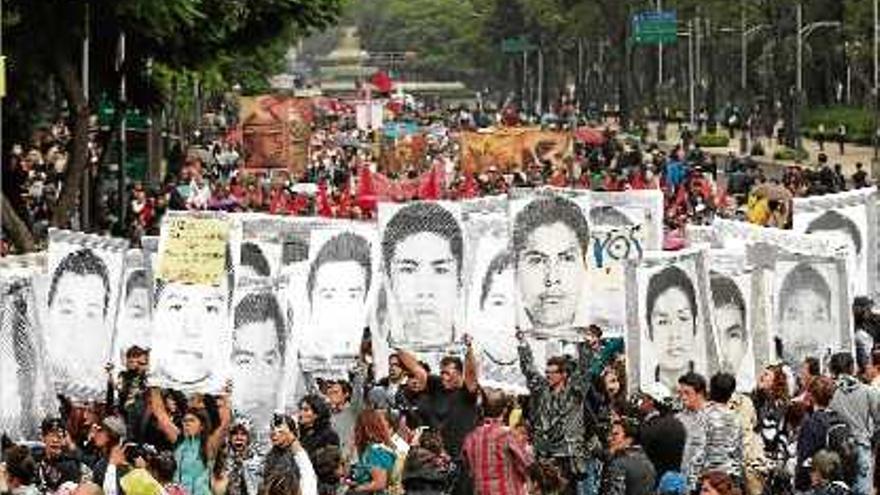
[[498, 461]]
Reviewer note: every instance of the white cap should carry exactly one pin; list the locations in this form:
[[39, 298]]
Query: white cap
[[657, 391]]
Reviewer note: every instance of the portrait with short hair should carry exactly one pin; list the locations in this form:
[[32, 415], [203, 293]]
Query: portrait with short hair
[[134, 321], [849, 218], [732, 313], [670, 327], [490, 285], [85, 277], [339, 288], [259, 355], [25, 394], [807, 310], [422, 251], [550, 245], [192, 332]]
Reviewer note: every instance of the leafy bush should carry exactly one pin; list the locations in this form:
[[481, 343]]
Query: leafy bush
[[713, 140], [790, 154], [859, 122]]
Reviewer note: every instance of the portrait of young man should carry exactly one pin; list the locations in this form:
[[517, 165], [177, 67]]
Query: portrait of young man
[[732, 327], [259, 343], [338, 283], [422, 249], [551, 241], [79, 332], [805, 323], [671, 318], [189, 323]]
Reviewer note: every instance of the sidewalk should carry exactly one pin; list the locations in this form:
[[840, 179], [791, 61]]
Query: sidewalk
[[852, 153]]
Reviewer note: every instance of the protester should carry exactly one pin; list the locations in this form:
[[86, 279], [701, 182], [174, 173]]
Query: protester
[[498, 461], [724, 435], [859, 406], [449, 404], [662, 435], [629, 472], [196, 443], [315, 431], [376, 458], [287, 463], [558, 405], [59, 463]]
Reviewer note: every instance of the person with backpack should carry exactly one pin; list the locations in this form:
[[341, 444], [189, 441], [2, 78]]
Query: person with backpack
[[815, 430], [859, 406]]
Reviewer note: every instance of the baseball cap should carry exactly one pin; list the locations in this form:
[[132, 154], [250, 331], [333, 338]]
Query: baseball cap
[[115, 425], [657, 391]]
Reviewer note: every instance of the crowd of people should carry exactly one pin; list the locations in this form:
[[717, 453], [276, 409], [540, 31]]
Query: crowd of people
[[581, 430], [697, 185]]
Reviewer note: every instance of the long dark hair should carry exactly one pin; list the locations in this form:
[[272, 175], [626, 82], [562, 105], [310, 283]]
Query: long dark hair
[[321, 408], [202, 416]]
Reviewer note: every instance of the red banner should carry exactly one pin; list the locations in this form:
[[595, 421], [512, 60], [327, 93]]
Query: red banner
[[275, 131]]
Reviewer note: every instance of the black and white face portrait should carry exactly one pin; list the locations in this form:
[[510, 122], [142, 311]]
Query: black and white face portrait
[[669, 317], [733, 331], [847, 218], [497, 306], [84, 284], [422, 250], [19, 407], [338, 286], [135, 321], [807, 319], [847, 226], [259, 341], [550, 242], [190, 330]]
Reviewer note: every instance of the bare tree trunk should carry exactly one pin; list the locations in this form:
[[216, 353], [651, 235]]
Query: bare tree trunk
[[13, 225], [72, 86]]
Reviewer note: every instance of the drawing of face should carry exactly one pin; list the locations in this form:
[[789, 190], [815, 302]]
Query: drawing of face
[[257, 367], [79, 333], [730, 322], [424, 284], [187, 322], [673, 323], [805, 323], [551, 273], [338, 305]]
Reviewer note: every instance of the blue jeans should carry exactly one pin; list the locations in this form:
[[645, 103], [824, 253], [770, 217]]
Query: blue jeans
[[864, 481], [589, 484]]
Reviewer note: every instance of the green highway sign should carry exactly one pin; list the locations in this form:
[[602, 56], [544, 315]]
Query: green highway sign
[[655, 27]]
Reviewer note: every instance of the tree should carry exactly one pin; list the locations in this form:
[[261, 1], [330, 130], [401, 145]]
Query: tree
[[42, 41]]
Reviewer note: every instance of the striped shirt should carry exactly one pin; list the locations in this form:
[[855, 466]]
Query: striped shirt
[[498, 462], [724, 441]]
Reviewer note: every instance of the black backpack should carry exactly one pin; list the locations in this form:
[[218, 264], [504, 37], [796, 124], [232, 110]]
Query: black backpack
[[839, 439]]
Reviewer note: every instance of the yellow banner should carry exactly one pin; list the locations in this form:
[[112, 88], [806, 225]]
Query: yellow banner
[[513, 148], [193, 250]]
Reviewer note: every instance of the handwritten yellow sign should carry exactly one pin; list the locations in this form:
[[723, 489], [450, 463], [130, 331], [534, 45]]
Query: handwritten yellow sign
[[193, 250]]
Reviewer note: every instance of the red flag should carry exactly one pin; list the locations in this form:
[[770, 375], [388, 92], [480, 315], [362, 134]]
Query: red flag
[[469, 187], [366, 190], [324, 208], [431, 183], [382, 82]]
